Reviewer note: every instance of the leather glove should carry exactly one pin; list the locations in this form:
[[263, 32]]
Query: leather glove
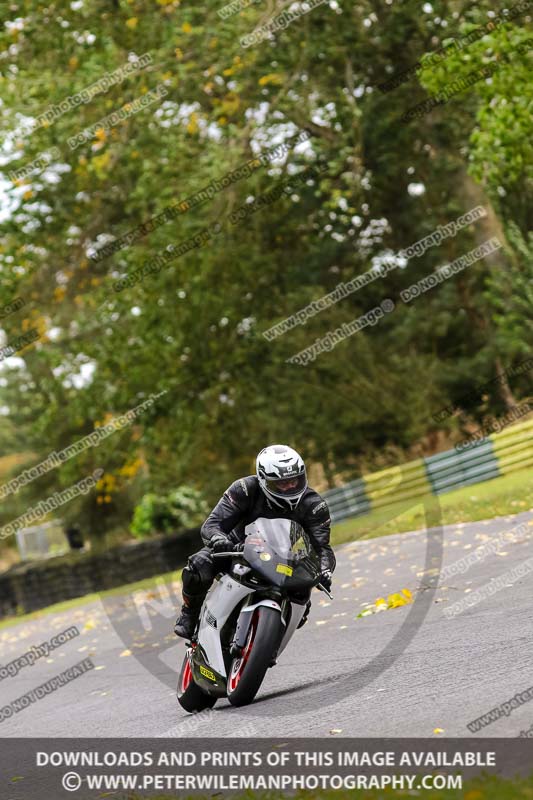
[[220, 543], [326, 577]]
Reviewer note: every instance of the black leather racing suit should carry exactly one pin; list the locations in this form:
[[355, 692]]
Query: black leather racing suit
[[242, 503]]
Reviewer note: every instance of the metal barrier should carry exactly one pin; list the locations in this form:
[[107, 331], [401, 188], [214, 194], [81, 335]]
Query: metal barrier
[[498, 454]]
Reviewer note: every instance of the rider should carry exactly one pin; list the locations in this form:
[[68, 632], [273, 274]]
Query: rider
[[279, 489]]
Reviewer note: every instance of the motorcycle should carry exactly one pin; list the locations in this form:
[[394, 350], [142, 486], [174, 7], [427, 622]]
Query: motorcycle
[[249, 615]]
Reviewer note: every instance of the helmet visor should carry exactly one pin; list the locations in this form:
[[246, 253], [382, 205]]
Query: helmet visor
[[287, 487]]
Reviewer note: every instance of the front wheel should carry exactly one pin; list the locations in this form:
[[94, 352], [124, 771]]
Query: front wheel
[[190, 696], [247, 671]]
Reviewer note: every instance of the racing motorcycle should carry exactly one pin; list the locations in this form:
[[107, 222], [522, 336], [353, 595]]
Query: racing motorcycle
[[249, 615]]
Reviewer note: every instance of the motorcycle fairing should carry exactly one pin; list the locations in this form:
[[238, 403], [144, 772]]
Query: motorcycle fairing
[[204, 675], [222, 598], [279, 550]]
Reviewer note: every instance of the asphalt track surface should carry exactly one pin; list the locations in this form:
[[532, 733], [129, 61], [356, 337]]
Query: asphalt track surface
[[398, 673]]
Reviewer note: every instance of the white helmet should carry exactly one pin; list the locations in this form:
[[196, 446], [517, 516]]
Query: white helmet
[[281, 474]]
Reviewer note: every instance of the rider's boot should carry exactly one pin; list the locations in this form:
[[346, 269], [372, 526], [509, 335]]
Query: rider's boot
[[188, 619]]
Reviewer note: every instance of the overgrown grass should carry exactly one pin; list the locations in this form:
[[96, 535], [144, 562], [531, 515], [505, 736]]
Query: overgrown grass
[[498, 497], [485, 787]]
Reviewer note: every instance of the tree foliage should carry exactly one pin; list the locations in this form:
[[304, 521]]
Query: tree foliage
[[194, 329]]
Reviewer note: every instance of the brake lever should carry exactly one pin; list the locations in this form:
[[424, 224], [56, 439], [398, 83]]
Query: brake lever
[[323, 589]]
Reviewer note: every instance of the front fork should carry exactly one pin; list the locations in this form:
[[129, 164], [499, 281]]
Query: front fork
[[245, 619]]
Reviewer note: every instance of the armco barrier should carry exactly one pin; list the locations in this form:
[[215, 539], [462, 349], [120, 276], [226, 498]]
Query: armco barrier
[[403, 482], [349, 500], [451, 470], [513, 447], [499, 454]]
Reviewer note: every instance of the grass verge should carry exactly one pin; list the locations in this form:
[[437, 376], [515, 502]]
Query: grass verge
[[498, 497], [485, 787], [509, 494]]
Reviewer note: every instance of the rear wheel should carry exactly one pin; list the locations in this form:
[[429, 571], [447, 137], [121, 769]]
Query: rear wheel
[[247, 672], [190, 696]]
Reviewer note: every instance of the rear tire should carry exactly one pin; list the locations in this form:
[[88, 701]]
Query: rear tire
[[190, 696], [247, 672]]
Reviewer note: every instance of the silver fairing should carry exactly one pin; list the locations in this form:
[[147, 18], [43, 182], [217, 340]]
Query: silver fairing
[[221, 599]]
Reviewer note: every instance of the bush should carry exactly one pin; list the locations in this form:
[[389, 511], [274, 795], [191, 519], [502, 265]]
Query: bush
[[184, 507]]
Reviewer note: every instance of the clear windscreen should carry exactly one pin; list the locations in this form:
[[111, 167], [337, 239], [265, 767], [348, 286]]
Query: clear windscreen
[[284, 538], [280, 551]]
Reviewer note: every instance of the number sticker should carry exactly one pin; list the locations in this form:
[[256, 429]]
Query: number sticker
[[284, 569]]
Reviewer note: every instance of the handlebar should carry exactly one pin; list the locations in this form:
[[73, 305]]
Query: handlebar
[[323, 589]]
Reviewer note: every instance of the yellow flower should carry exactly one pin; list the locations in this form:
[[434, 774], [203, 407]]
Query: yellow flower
[[272, 77], [186, 27], [100, 162], [192, 125], [132, 23]]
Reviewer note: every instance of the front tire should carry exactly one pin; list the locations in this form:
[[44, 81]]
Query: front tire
[[190, 696], [247, 672]]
